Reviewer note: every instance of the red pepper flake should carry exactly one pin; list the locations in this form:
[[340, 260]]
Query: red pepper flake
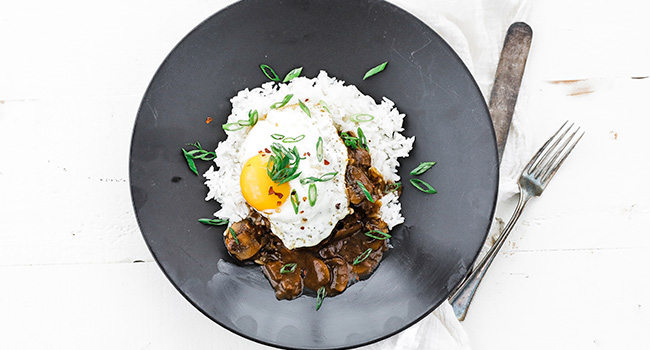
[[306, 100], [309, 154], [302, 227], [279, 203], [326, 162], [209, 120], [267, 150], [338, 206], [271, 192], [303, 273], [304, 199], [302, 211]]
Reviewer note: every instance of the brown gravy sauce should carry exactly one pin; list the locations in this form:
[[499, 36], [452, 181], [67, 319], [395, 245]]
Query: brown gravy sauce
[[331, 263]]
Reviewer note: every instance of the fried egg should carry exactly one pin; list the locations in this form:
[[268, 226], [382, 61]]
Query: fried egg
[[318, 192]]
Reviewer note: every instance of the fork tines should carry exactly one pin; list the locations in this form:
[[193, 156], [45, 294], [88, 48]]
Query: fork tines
[[552, 154]]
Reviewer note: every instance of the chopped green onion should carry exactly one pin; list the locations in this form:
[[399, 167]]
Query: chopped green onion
[[392, 187], [322, 178], [325, 106], [328, 176], [365, 191], [361, 117], [422, 168], [201, 154], [363, 143], [319, 149], [232, 126], [312, 194], [266, 69], [283, 164], [190, 162], [309, 180], [294, 73], [304, 108], [380, 234], [233, 234], [198, 153], [277, 136], [215, 222], [283, 102], [286, 268], [320, 296], [362, 257], [350, 141], [253, 116], [293, 139], [423, 186], [375, 70], [295, 201]]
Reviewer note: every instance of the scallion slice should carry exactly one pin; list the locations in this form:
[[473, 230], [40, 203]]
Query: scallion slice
[[392, 187], [422, 168], [293, 139], [253, 116], [319, 149], [359, 259], [198, 153], [283, 102], [312, 194], [376, 234], [268, 71], [295, 201], [423, 186], [233, 234], [361, 117], [325, 106], [190, 162], [232, 126], [328, 176], [277, 136], [365, 191], [322, 178], [283, 164], [304, 108], [287, 268], [294, 73], [215, 222], [320, 296], [363, 142], [375, 70], [349, 140]]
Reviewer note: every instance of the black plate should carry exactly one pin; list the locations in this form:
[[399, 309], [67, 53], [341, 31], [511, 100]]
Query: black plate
[[428, 82]]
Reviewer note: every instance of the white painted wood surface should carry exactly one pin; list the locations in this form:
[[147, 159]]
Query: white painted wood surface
[[572, 276]]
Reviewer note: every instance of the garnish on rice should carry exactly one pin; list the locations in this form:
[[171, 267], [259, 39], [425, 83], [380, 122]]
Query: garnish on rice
[[308, 183]]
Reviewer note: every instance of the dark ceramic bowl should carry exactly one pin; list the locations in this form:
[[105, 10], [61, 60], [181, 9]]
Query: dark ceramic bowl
[[444, 110]]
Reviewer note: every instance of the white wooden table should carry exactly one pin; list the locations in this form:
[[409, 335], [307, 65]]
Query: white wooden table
[[75, 270]]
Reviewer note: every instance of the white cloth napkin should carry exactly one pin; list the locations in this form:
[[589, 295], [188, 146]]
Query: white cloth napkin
[[475, 29]]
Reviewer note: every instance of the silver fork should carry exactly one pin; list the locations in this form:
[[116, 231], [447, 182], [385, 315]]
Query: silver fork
[[532, 182]]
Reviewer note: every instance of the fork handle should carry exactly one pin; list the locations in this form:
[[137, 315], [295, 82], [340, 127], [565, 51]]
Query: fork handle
[[462, 297]]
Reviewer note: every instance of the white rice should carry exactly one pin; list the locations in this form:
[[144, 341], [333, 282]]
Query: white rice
[[385, 141]]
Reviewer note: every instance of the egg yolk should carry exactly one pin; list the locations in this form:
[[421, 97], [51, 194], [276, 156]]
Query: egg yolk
[[258, 188]]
